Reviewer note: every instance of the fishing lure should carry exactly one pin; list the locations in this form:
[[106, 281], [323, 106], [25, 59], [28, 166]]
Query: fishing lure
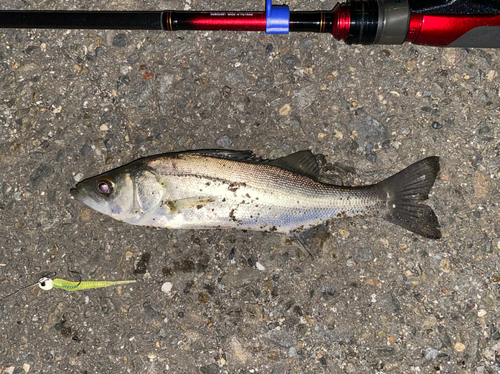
[[48, 283]]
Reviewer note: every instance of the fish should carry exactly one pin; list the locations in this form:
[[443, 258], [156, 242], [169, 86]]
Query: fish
[[224, 189]]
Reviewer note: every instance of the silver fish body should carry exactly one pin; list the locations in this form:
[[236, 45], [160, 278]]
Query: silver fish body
[[233, 189]]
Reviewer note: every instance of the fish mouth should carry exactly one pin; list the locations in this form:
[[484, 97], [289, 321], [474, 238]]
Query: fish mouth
[[76, 194]]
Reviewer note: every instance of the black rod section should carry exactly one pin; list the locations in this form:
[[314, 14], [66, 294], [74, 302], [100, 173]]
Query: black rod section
[[60, 19], [311, 21]]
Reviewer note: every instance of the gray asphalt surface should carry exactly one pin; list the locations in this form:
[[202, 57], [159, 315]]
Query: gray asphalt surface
[[374, 298]]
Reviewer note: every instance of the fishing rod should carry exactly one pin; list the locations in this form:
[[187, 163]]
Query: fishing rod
[[445, 23]]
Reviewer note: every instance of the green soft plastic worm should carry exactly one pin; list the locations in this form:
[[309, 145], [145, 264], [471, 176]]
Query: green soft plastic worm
[[48, 284]]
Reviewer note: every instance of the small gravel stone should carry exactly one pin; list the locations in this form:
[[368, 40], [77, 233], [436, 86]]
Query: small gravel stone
[[259, 266], [369, 129], [224, 141], [307, 45], [120, 40], [264, 81], [133, 58], [431, 353], [122, 82], [483, 130], [305, 96], [292, 352], [99, 51], [203, 297], [85, 150], [363, 254], [78, 177], [163, 333], [166, 287], [281, 338], [209, 369], [285, 110], [291, 60], [41, 173], [372, 158], [328, 292], [182, 103], [436, 125]]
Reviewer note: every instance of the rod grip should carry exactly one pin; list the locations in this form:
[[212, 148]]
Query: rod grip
[[464, 31]]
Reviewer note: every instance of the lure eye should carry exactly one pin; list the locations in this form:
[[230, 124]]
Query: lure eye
[[46, 284], [104, 187]]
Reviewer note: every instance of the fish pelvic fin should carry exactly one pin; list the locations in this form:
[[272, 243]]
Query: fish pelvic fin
[[404, 192]]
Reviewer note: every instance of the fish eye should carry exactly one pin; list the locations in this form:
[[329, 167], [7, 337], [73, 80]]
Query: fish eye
[[104, 187]]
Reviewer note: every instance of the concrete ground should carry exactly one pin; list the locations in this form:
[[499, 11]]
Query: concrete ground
[[374, 298]]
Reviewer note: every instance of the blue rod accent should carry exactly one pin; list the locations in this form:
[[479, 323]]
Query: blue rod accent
[[277, 18]]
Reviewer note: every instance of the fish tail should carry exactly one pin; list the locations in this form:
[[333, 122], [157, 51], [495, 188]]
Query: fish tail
[[404, 192]]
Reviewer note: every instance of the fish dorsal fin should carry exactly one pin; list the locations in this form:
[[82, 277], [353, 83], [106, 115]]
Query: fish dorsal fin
[[302, 162], [245, 156]]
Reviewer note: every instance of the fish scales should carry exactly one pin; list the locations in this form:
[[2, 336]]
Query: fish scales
[[235, 189], [254, 196]]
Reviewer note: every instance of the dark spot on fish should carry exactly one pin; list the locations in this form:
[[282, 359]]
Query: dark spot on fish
[[273, 228], [172, 205], [199, 206], [233, 188], [231, 215], [224, 200], [247, 195], [207, 184]]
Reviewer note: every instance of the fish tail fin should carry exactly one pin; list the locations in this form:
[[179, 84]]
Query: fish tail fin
[[404, 192]]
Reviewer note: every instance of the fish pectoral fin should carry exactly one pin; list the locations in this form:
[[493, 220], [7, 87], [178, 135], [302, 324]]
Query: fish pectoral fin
[[177, 206]]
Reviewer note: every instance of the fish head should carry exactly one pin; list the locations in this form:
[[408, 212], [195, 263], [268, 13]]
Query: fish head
[[111, 193], [127, 194]]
